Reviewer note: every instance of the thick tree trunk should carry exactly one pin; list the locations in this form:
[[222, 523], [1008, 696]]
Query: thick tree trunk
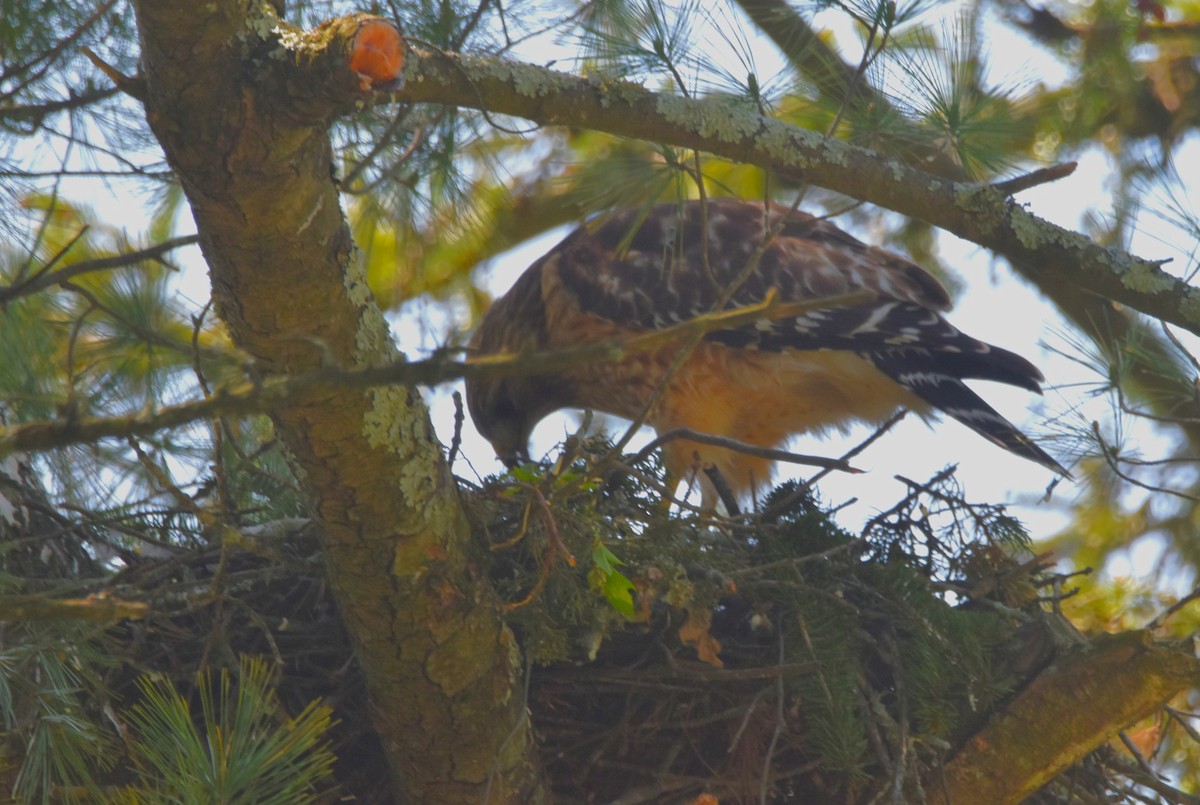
[[242, 109]]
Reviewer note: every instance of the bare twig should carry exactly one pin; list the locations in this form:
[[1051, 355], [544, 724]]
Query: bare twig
[[1034, 178], [37, 111], [459, 419], [915, 491], [774, 454], [777, 509], [100, 609], [555, 547], [1114, 461], [1171, 610], [45, 278], [133, 87], [724, 491], [1180, 718]]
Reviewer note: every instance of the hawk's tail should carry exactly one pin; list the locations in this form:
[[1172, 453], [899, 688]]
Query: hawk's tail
[[938, 379]]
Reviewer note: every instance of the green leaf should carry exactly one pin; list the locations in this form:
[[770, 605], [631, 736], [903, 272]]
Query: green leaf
[[526, 473], [614, 585]]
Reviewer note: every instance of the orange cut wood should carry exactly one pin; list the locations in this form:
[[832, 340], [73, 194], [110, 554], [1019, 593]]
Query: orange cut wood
[[377, 53]]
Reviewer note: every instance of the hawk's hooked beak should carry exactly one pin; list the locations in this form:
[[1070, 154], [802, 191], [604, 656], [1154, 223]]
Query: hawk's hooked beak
[[515, 458]]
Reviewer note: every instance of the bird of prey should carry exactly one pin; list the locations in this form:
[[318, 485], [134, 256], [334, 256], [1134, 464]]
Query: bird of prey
[[637, 271]]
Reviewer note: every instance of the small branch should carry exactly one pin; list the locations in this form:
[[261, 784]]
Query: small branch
[[261, 397], [1136, 754], [133, 87], [1171, 610], [459, 419], [55, 174], [1179, 718], [555, 547], [1113, 460], [52, 262], [781, 506], [915, 491], [1015, 185], [38, 111], [771, 453], [97, 609], [724, 491], [47, 279]]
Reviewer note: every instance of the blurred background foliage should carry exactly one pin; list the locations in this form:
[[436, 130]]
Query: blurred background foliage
[[434, 193]]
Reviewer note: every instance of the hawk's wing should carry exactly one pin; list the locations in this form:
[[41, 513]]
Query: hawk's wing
[[668, 266]]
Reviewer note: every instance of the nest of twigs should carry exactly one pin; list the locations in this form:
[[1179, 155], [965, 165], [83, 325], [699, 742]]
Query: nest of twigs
[[767, 658], [773, 656]]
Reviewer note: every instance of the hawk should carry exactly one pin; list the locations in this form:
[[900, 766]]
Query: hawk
[[637, 271]]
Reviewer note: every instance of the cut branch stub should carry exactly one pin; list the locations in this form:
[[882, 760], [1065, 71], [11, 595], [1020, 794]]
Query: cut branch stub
[[377, 54], [316, 76]]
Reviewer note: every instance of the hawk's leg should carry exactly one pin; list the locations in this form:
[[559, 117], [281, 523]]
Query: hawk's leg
[[722, 488]]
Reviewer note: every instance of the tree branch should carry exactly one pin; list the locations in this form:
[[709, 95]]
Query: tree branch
[[38, 111], [97, 609], [1080, 702], [771, 453], [311, 387], [47, 279], [1017, 184], [733, 128]]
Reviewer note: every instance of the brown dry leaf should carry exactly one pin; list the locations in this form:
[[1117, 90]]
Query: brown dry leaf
[[1146, 739], [705, 799], [695, 631]]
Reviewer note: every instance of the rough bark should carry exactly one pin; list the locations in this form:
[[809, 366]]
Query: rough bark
[[241, 106]]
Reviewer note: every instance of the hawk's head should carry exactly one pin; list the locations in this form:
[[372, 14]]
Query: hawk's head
[[500, 417], [506, 409]]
